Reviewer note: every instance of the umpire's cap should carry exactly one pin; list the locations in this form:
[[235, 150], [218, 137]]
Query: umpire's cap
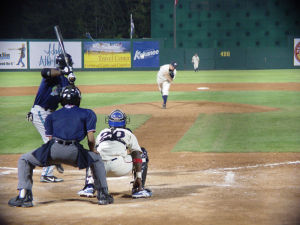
[[174, 64]]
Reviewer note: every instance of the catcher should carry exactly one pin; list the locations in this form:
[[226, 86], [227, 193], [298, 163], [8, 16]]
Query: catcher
[[165, 76], [121, 155]]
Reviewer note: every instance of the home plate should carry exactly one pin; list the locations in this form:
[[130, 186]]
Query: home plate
[[202, 88]]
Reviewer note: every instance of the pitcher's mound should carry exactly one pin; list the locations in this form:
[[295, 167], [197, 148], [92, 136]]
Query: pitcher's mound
[[184, 108]]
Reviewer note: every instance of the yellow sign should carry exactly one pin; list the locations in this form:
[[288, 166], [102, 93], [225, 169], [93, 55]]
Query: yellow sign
[[107, 60]]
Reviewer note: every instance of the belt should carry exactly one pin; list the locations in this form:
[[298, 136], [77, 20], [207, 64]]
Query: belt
[[62, 142], [113, 159], [50, 110]]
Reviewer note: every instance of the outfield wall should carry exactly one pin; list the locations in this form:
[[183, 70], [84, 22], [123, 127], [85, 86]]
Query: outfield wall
[[142, 54]]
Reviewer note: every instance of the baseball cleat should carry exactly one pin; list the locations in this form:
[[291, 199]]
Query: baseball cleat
[[50, 179], [104, 198], [146, 193], [22, 202], [88, 191], [164, 106]]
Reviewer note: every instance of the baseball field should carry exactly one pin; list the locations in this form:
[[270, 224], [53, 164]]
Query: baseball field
[[225, 151]]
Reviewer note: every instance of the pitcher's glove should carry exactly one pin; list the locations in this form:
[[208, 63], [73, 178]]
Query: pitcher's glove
[[171, 73], [29, 116]]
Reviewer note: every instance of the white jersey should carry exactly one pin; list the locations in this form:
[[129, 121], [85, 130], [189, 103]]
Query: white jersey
[[113, 142], [163, 73], [195, 60]]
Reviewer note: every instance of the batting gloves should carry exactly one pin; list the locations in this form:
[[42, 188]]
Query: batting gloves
[[71, 78]]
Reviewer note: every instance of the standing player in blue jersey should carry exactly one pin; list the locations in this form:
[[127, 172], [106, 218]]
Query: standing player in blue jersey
[[65, 128], [46, 102]]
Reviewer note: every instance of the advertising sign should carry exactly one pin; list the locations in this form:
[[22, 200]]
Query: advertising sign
[[297, 52], [146, 54], [13, 55], [43, 53], [107, 54]]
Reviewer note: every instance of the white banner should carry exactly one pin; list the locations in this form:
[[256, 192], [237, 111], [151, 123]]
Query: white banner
[[297, 52], [13, 55], [43, 53]]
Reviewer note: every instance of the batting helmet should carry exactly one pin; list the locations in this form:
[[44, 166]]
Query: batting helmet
[[117, 119], [61, 62], [70, 95]]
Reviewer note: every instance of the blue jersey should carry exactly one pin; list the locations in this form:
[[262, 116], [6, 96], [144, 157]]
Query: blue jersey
[[49, 90], [70, 123]]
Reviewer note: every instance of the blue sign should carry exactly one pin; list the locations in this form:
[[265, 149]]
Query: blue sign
[[145, 54]]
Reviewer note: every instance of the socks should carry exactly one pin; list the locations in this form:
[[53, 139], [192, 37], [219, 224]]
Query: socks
[[165, 98]]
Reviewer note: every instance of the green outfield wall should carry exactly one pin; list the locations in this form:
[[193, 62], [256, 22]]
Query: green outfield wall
[[230, 58]]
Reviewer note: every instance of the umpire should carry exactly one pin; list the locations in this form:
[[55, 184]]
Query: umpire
[[65, 128]]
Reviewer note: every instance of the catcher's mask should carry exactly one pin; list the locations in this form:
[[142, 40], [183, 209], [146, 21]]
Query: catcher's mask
[[117, 119], [61, 62], [70, 95]]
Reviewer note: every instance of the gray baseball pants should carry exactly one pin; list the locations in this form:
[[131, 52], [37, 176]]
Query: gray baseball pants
[[60, 153]]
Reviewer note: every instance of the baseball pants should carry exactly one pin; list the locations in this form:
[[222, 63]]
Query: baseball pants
[[59, 153], [164, 87], [39, 116], [118, 166]]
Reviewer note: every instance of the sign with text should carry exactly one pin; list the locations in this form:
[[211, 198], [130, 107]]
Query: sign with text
[[43, 53], [146, 54], [107, 54], [13, 55], [297, 52]]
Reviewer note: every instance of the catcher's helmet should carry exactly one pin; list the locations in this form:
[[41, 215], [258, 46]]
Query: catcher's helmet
[[117, 119], [70, 95], [60, 61]]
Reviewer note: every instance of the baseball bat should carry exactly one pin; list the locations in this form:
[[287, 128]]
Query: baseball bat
[[88, 35], [61, 43]]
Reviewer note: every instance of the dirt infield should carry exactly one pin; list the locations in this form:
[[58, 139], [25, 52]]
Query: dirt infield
[[188, 188]]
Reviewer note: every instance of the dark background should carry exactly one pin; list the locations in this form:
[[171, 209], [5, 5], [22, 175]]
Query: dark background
[[35, 19]]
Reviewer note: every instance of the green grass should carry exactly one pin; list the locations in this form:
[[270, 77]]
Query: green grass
[[255, 132], [276, 131], [11, 79]]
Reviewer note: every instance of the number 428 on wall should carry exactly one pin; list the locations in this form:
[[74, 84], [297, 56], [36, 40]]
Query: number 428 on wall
[[225, 53]]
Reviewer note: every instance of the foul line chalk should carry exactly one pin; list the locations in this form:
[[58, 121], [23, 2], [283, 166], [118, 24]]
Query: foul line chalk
[[9, 170], [254, 166]]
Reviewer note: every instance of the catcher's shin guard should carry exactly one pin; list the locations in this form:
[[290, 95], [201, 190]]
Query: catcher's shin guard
[[144, 165]]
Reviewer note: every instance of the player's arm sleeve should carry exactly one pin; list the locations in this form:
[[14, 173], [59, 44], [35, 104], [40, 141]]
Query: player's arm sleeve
[[48, 73], [48, 126], [91, 121], [134, 144]]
